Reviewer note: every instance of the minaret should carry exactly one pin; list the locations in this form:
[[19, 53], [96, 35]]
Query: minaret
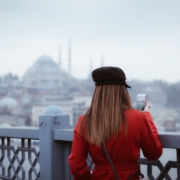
[[59, 57], [102, 61], [69, 57]]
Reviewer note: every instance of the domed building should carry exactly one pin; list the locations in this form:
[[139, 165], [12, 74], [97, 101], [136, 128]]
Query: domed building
[[10, 110], [8, 102], [45, 74]]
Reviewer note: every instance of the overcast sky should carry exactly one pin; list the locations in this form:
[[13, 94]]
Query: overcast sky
[[141, 37]]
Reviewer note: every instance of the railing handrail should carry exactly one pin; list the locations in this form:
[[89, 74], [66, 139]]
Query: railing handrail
[[168, 139], [24, 133], [63, 134]]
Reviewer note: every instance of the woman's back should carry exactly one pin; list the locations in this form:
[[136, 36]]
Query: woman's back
[[111, 120], [124, 149]]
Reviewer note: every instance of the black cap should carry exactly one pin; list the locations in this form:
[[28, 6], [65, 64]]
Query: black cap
[[109, 76]]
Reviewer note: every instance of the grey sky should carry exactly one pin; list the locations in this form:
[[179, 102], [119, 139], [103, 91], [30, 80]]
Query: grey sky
[[141, 37]]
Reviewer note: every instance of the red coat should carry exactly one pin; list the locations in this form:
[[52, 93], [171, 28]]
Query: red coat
[[124, 151]]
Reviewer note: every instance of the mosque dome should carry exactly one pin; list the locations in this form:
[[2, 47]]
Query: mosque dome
[[45, 73], [44, 60], [8, 101]]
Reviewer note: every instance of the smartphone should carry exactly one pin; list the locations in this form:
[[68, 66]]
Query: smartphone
[[141, 101]]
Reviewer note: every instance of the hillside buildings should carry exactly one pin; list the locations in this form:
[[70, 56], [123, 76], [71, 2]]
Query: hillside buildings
[[45, 83]]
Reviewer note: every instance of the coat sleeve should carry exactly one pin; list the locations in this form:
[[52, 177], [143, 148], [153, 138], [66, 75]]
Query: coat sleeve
[[149, 139], [77, 158]]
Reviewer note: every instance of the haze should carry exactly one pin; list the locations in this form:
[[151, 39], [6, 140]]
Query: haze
[[141, 37]]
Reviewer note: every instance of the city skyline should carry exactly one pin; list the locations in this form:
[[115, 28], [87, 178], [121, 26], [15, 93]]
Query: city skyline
[[140, 37]]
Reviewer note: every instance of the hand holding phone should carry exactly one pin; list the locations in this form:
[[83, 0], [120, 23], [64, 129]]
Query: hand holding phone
[[147, 107]]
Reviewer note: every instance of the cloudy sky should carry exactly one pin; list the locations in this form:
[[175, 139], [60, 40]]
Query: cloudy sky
[[141, 37]]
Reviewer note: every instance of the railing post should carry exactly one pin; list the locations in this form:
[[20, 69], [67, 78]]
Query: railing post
[[52, 152], [178, 161]]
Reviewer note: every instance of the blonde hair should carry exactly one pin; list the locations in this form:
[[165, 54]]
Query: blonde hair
[[106, 114]]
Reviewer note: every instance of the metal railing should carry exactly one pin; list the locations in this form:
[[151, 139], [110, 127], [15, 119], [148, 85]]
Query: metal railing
[[19, 156], [170, 141], [42, 153]]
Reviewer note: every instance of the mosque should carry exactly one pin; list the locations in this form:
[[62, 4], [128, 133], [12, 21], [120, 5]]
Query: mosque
[[45, 83], [47, 74]]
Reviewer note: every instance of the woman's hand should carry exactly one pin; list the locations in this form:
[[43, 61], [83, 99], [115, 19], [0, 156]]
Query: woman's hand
[[147, 107]]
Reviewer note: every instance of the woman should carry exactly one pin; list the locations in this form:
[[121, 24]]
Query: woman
[[112, 121]]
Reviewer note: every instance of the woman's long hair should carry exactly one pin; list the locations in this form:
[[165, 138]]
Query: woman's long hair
[[105, 116]]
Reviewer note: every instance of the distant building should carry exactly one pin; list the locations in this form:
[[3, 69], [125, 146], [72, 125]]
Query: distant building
[[10, 111], [73, 107], [10, 80], [9, 105], [45, 74]]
